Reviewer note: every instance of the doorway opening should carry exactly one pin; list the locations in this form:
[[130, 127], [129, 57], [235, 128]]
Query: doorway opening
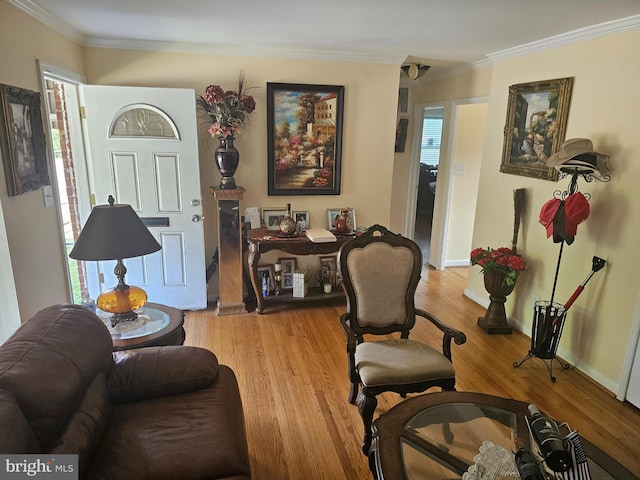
[[63, 121], [432, 121]]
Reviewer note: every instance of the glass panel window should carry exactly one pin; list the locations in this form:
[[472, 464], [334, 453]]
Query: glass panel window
[[142, 121]]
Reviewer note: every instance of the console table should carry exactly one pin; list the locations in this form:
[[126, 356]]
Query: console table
[[296, 246]]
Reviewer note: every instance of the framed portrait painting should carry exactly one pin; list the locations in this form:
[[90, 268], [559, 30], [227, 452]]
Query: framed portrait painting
[[304, 138], [535, 127], [22, 140]]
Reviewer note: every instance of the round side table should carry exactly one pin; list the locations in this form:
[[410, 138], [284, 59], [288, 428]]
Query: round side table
[[156, 325]]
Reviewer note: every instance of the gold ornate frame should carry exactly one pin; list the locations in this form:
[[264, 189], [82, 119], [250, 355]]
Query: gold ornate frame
[[535, 127]]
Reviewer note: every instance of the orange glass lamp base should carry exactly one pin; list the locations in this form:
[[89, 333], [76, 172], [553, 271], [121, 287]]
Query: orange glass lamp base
[[122, 303]]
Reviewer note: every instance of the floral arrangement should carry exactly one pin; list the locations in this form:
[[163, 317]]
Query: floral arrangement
[[501, 260], [227, 110]]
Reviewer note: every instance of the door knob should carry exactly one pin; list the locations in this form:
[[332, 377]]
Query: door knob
[[195, 218], [195, 202]]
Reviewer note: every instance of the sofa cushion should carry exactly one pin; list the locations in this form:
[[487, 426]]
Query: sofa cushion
[[49, 363], [192, 436], [151, 372], [16, 436], [82, 433]]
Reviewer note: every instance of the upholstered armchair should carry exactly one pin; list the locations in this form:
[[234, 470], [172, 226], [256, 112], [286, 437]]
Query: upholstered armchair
[[380, 273]]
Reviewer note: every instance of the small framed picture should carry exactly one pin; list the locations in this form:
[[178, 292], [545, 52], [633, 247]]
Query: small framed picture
[[289, 265], [332, 216], [269, 272], [302, 221], [272, 218], [330, 263]]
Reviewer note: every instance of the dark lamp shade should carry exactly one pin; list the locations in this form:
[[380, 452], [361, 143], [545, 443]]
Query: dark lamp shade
[[113, 232]]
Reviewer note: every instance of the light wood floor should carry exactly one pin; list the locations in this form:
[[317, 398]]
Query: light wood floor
[[292, 371]]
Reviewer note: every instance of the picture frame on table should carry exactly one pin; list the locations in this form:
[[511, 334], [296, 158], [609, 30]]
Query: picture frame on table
[[332, 262], [289, 266], [303, 221], [304, 138], [272, 217], [270, 272], [22, 140], [535, 128], [332, 213]]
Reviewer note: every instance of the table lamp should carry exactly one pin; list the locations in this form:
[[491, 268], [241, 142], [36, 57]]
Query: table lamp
[[114, 232]]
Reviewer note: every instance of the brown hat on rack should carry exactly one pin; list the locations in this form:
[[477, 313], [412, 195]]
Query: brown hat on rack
[[578, 152]]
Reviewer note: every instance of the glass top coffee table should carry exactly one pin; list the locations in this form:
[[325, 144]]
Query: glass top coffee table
[[437, 436]]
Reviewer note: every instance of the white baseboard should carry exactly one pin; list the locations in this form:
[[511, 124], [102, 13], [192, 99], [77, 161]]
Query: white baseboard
[[457, 263], [607, 383]]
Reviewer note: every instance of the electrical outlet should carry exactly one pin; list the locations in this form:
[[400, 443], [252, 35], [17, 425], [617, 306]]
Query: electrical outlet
[[460, 169]]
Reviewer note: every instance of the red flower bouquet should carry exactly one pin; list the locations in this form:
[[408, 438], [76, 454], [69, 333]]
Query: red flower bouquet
[[501, 260]]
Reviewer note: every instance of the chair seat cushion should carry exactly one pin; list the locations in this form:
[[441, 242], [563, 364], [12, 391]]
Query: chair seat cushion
[[400, 362]]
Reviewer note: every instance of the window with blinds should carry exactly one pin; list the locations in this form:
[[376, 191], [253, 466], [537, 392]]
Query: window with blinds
[[431, 136]]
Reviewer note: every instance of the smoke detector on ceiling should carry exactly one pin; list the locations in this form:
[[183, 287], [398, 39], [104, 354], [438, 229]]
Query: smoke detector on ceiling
[[415, 70]]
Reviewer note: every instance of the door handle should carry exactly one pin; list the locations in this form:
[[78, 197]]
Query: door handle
[[195, 218], [195, 202]]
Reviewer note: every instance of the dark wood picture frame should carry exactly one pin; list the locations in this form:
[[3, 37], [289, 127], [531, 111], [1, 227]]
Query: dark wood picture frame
[[535, 128], [22, 140], [304, 138]]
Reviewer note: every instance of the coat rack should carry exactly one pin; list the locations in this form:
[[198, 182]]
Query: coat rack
[[549, 316]]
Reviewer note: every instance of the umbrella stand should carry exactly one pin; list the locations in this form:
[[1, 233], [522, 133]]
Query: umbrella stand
[[548, 322]]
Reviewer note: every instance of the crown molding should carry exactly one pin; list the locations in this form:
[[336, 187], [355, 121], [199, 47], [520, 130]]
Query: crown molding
[[240, 51], [51, 21], [579, 35]]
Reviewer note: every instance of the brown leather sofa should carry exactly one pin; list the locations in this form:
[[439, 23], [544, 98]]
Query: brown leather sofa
[[152, 413]]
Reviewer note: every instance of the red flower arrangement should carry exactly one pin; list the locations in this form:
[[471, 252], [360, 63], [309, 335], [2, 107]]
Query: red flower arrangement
[[227, 110], [501, 260]]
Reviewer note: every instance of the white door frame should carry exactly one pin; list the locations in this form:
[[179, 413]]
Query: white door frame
[[51, 71], [442, 204], [436, 250], [633, 349]]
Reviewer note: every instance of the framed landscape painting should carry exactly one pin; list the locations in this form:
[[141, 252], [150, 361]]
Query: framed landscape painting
[[304, 138], [535, 127]]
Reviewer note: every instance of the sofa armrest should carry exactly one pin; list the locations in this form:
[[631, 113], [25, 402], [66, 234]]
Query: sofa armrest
[[152, 372]]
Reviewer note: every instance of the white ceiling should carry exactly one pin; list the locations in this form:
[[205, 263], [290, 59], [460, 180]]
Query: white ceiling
[[440, 33]]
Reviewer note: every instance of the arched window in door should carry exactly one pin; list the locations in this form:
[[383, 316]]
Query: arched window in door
[[142, 121]]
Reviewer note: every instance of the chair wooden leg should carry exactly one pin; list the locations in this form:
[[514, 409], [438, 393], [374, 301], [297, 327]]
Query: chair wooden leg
[[367, 406], [353, 393]]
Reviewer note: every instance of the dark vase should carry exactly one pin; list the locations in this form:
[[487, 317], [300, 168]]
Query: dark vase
[[495, 320], [227, 160]]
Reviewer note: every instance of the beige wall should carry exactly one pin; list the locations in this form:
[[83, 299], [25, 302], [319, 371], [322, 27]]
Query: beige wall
[[32, 230], [468, 141], [604, 107]]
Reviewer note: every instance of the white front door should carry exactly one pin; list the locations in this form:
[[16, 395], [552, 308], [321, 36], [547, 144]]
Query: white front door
[[143, 150]]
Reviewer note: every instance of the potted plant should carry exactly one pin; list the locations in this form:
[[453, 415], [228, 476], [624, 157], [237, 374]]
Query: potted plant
[[500, 268], [325, 277]]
